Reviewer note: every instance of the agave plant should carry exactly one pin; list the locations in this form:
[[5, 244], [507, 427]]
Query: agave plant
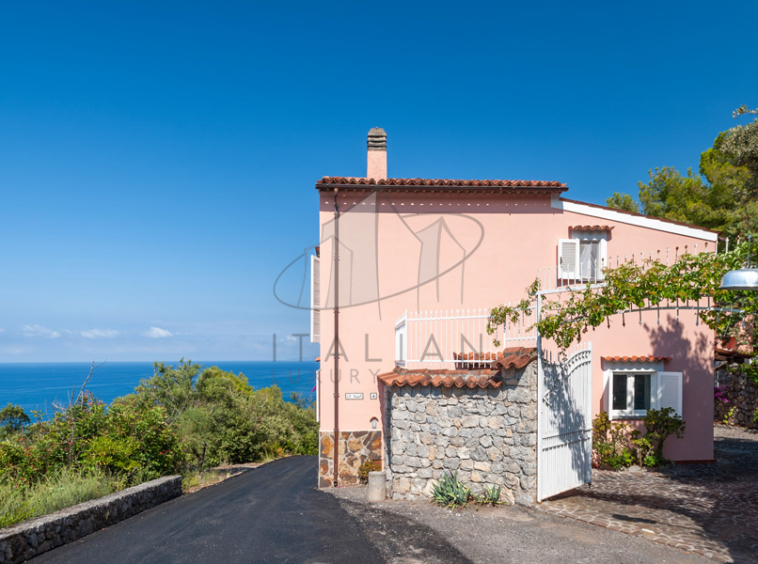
[[490, 496], [450, 492]]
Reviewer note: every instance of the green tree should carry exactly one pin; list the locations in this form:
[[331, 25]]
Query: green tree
[[623, 202], [13, 418], [723, 195]]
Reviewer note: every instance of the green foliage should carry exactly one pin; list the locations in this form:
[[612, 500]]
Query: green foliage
[[616, 445], [623, 202], [366, 467], [723, 196], [490, 496], [13, 419], [611, 442], [219, 417], [59, 489], [659, 425], [181, 419], [646, 283], [728, 416], [750, 369], [450, 492]]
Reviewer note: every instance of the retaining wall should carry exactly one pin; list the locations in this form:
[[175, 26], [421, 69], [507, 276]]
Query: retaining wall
[[30, 538], [742, 394]]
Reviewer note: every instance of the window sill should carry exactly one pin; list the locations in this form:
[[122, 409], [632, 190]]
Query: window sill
[[630, 416]]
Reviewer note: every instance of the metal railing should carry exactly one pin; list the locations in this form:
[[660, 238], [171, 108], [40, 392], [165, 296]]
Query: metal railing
[[456, 338]]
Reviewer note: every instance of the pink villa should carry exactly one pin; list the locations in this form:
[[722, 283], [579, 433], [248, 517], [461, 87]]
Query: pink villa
[[423, 389]]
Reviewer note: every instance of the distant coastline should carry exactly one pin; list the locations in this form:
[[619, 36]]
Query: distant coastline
[[38, 385]]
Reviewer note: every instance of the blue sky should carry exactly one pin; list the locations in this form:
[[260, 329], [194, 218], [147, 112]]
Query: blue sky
[[157, 159]]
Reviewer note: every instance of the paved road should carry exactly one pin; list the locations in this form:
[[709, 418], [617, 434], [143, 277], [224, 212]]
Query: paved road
[[270, 514]]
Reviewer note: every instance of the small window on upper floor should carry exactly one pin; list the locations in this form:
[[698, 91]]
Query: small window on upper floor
[[584, 256]]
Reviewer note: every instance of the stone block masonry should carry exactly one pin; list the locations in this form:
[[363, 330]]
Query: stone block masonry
[[30, 538], [488, 435], [742, 395], [355, 448]]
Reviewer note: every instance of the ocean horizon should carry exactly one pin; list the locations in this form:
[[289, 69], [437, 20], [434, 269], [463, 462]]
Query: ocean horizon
[[42, 385]]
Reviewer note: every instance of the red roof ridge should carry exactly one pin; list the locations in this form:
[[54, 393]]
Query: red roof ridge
[[552, 185], [480, 373]]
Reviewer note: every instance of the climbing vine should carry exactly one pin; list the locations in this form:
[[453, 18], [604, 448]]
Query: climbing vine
[[649, 283]]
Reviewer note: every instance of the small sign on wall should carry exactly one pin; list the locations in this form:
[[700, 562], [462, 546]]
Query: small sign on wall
[[354, 396]]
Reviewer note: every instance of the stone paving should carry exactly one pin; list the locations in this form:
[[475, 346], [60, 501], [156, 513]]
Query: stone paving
[[709, 509]]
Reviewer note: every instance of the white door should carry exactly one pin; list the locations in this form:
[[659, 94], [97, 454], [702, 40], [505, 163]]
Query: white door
[[564, 438]]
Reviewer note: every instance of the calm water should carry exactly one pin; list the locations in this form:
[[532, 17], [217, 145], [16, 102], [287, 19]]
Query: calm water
[[38, 385]]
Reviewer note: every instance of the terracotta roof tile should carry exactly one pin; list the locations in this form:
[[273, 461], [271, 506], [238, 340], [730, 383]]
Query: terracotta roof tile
[[444, 184], [635, 358], [482, 371], [591, 228], [442, 378]]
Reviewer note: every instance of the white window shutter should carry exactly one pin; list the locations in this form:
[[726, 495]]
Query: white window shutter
[[315, 299], [568, 259], [602, 259], [608, 375], [670, 391], [655, 387]]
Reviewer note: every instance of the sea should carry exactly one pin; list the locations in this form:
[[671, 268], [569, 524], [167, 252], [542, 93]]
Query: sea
[[40, 386]]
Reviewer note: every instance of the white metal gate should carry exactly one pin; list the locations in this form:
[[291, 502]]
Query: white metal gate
[[564, 436]]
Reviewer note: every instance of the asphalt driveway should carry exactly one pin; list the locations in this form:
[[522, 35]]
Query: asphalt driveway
[[270, 514]]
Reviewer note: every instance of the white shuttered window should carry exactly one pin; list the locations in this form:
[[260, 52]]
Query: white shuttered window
[[630, 393]]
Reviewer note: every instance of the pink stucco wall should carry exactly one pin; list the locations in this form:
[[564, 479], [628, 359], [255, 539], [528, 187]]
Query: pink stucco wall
[[507, 239]]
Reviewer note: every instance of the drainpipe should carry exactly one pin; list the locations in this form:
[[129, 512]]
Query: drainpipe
[[336, 254]]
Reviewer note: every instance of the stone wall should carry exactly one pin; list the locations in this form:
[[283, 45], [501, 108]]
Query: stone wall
[[355, 448], [30, 538], [488, 435], [742, 394]]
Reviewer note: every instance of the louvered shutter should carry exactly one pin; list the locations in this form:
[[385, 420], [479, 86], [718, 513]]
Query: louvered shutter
[[602, 260], [608, 393], [670, 391], [315, 299], [568, 259]]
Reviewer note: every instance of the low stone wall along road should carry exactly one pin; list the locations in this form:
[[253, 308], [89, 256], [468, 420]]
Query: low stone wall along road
[[271, 514]]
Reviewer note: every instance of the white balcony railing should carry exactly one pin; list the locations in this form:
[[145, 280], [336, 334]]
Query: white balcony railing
[[456, 338]]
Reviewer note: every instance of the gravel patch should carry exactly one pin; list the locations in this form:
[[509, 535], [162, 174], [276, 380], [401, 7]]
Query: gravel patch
[[417, 531]]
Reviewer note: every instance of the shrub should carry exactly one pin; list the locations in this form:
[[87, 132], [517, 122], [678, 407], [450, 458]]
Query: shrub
[[450, 492], [611, 442], [616, 445], [659, 425], [366, 467], [490, 496]]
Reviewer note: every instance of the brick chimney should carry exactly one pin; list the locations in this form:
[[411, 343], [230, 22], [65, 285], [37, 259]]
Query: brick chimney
[[377, 154]]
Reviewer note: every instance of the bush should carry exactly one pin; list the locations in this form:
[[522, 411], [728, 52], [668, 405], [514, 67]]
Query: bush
[[366, 467], [659, 425], [616, 445], [450, 492], [611, 444], [180, 420]]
